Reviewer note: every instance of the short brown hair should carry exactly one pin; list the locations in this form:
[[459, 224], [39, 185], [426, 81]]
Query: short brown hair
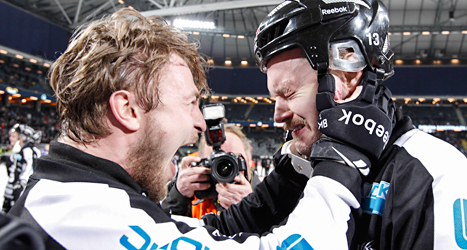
[[124, 51]]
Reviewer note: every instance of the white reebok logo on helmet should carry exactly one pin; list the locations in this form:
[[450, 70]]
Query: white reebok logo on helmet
[[361, 2]]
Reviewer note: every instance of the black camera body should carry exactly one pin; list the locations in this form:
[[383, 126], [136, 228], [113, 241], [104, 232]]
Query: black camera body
[[224, 166]]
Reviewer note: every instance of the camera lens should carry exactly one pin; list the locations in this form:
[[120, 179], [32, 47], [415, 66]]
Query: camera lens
[[225, 168]]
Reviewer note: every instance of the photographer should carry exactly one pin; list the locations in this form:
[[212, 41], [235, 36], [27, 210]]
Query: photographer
[[181, 200]]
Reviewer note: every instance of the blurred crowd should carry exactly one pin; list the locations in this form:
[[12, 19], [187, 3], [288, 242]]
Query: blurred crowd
[[45, 121]]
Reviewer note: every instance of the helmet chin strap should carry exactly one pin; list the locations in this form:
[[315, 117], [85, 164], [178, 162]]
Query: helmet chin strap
[[322, 69]]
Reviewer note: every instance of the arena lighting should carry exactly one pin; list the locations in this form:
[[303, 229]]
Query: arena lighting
[[224, 97], [195, 33], [11, 90], [1, 61], [465, 100], [228, 62], [33, 98], [464, 32], [33, 60], [425, 33], [399, 61], [407, 100], [406, 33], [277, 124], [436, 100], [418, 62], [2, 92], [241, 36], [3, 51], [244, 63], [27, 69], [121, 2], [433, 128], [451, 100], [39, 72], [47, 65], [23, 100], [17, 95], [445, 32], [183, 23], [421, 99], [455, 61], [210, 62], [19, 56], [226, 35]]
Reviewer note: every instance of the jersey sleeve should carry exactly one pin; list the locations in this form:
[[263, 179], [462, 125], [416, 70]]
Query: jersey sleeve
[[80, 215]]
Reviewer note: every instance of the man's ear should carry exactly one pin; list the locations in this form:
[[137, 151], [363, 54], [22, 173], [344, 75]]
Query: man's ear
[[125, 109], [352, 80]]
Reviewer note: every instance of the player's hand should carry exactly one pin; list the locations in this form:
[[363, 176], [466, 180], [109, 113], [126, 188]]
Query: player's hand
[[191, 179], [357, 129], [233, 193]]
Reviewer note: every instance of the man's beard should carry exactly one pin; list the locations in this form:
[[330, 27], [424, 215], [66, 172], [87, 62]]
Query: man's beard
[[147, 167], [302, 146]]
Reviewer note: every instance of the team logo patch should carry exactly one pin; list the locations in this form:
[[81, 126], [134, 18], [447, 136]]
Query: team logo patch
[[375, 197], [295, 242]]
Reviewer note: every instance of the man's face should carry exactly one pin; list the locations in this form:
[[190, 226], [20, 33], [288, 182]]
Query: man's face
[[13, 137], [175, 122], [294, 84], [232, 144]]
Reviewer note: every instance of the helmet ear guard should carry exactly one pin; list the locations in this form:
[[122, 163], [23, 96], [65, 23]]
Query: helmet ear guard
[[319, 27]]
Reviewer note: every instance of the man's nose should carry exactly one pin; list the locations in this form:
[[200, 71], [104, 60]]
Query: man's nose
[[281, 110], [199, 122]]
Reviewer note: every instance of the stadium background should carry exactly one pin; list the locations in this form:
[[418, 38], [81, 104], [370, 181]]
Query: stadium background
[[429, 84]]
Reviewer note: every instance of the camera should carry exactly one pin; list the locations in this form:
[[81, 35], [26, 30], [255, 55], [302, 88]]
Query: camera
[[224, 166]]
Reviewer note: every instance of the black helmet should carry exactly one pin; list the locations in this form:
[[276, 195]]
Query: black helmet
[[314, 25], [26, 131]]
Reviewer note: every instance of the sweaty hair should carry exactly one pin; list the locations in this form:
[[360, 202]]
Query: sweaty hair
[[124, 51]]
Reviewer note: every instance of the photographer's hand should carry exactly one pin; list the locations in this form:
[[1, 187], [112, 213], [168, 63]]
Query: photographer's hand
[[233, 193], [191, 179]]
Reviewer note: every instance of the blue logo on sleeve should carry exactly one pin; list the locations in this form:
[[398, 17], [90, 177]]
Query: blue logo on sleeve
[[460, 222], [295, 242], [147, 242], [374, 198]]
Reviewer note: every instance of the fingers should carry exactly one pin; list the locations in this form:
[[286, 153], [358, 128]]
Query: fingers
[[233, 193], [191, 179], [186, 161]]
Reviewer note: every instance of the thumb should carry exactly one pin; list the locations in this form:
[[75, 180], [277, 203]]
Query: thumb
[[240, 179]]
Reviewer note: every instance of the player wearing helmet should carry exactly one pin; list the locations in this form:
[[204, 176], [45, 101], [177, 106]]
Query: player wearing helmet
[[326, 61], [22, 166]]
